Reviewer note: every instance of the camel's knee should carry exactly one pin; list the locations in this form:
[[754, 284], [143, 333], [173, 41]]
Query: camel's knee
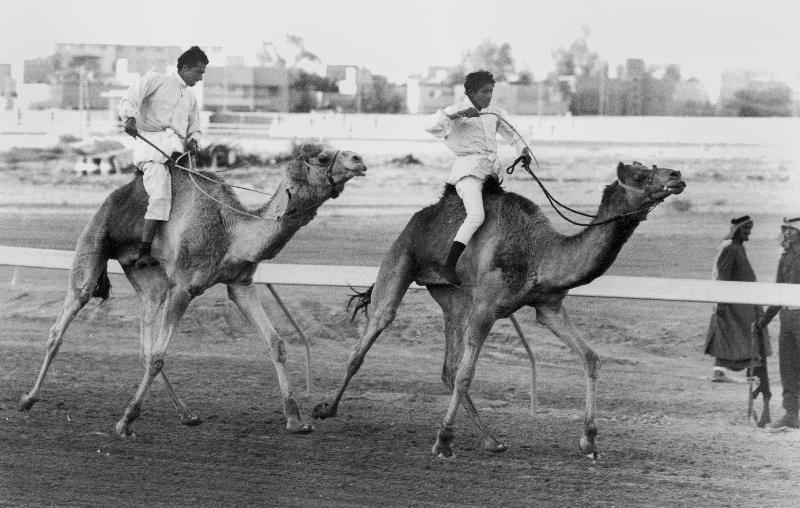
[[156, 365], [592, 363], [384, 318], [278, 347], [463, 382]]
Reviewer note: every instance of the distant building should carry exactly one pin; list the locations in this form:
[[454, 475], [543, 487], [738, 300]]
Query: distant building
[[82, 75], [526, 99], [425, 97], [8, 87], [141, 59], [242, 88]]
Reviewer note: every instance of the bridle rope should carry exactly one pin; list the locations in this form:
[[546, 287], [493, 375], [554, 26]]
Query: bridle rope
[[554, 203], [192, 171]]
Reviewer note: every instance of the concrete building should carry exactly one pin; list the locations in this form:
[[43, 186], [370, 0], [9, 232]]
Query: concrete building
[[242, 88]]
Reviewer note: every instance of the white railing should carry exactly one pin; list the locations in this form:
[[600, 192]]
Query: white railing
[[607, 286]]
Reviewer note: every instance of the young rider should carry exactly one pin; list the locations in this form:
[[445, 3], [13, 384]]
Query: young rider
[[470, 130]]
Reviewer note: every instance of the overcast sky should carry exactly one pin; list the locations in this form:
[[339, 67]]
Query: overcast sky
[[406, 36]]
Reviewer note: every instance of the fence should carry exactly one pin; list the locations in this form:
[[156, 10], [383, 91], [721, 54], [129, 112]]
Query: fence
[[607, 286]]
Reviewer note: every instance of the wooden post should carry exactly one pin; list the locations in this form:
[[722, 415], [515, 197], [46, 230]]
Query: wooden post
[[532, 408], [299, 331]]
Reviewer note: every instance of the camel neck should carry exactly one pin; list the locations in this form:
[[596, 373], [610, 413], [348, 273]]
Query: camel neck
[[588, 254], [279, 219]]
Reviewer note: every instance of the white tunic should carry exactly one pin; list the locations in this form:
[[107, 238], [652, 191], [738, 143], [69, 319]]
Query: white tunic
[[473, 140], [166, 113]]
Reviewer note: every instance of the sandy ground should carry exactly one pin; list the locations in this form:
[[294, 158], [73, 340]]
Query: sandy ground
[[668, 436]]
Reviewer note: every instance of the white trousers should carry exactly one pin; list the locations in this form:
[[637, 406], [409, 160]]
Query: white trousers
[[157, 181], [470, 190], [158, 184]]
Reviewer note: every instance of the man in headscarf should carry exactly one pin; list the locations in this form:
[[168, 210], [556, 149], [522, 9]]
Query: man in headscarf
[[730, 340], [789, 337]]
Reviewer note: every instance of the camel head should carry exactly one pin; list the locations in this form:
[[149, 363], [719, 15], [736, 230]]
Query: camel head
[[648, 187], [320, 172]]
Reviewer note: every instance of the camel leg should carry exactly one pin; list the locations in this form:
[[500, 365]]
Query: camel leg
[[150, 304], [531, 358], [477, 330], [155, 350], [455, 308], [555, 318], [387, 294], [246, 298], [72, 304], [82, 283]]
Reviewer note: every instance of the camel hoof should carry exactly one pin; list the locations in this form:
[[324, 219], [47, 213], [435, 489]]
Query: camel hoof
[[191, 421], [323, 410], [25, 402], [123, 430], [495, 447], [299, 428], [589, 448], [442, 452]]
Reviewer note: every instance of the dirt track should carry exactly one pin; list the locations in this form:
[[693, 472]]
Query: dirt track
[[668, 436]]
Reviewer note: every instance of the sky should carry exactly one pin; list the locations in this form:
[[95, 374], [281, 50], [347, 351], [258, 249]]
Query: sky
[[406, 37]]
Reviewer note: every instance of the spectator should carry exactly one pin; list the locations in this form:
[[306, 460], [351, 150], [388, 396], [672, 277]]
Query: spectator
[[789, 336], [730, 339]]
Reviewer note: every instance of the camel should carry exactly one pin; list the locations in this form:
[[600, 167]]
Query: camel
[[516, 259], [210, 239]]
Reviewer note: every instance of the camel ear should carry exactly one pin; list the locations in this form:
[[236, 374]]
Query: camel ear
[[297, 170], [620, 166]]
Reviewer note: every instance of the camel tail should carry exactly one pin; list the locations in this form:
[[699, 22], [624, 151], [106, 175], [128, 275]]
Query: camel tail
[[102, 288], [362, 300]]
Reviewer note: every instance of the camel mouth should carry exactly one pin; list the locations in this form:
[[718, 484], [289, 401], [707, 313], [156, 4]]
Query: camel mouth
[[675, 186]]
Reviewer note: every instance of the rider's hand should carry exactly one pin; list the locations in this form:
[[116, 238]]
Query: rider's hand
[[469, 112], [192, 147], [526, 157], [130, 127]]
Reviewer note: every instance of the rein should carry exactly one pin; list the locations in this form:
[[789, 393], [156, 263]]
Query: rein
[[554, 203], [193, 172]]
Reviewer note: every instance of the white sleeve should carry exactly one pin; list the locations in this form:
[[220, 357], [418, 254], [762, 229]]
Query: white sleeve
[[132, 100], [439, 124]]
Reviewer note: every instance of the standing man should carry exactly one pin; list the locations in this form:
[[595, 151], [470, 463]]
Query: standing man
[[161, 106], [729, 339], [470, 130], [789, 337]]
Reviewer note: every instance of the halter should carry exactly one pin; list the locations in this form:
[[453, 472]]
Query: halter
[[647, 190], [329, 175], [554, 203]]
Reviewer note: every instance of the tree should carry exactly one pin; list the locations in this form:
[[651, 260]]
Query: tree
[[575, 61], [304, 85], [382, 97], [774, 99], [489, 56]]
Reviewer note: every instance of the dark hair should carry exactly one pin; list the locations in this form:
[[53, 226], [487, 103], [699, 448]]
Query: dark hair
[[739, 220], [475, 80], [192, 57]]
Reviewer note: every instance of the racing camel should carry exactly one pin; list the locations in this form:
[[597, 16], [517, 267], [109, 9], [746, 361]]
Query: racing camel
[[210, 239], [516, 258]]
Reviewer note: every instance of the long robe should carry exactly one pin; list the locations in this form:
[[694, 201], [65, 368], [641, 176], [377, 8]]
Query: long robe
[[729, 332]]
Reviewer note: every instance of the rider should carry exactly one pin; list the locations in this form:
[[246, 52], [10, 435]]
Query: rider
[[169, 116], [470, 130]]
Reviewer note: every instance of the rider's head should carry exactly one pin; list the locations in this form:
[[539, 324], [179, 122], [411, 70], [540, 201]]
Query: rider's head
[[478, 86], [192, 65]]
